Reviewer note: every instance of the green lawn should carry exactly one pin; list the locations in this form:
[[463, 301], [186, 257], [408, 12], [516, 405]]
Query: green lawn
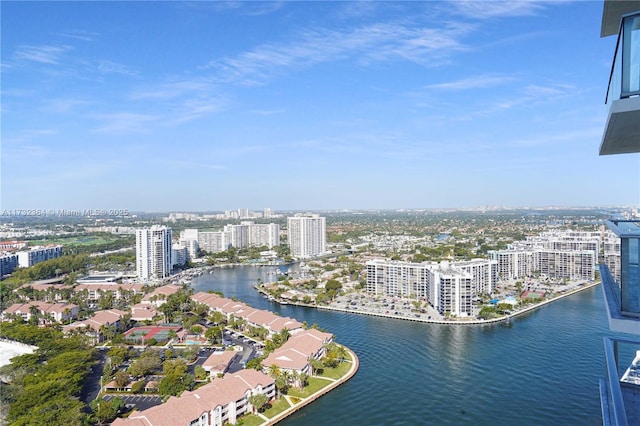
[[251, 420], [315, 384], [277, 407], [339, 371], [78, 241]]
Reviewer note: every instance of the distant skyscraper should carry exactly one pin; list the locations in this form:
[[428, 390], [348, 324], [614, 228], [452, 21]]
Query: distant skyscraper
[[153, 252], [267, 213], [307, 235]]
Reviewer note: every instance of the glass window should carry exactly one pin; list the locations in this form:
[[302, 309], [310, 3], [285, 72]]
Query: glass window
[[631, 55]]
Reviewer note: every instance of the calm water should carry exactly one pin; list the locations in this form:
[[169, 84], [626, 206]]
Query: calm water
[[542, 368]]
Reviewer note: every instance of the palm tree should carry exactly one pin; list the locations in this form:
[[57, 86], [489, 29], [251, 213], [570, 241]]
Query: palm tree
[[295, 378], [342, 353], [274, 371], [316, 365]]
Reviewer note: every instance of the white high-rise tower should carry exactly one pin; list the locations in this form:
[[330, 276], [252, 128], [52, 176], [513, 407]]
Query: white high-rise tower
[[153, 252], [307, 235]]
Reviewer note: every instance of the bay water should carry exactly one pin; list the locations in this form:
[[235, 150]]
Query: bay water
[[541, 368]]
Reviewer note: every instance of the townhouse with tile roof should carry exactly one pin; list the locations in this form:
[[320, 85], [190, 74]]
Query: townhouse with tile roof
[[214, 404]]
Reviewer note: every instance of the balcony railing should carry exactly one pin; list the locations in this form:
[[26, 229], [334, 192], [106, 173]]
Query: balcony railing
[[619, 391], [624, 80], [622, 131], [628, 292]]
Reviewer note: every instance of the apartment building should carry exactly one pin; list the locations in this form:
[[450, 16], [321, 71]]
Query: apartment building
[[153, 252], [451, 288], [220, 402], [307, 235], [38, 254], [8, 263]]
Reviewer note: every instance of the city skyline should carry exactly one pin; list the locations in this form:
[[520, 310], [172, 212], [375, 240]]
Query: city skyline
[[163, 106]]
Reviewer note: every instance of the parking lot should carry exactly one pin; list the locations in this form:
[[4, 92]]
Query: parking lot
[[141, 402]]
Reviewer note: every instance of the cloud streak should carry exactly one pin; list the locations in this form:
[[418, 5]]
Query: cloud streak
[[373, 43], [45, 54]]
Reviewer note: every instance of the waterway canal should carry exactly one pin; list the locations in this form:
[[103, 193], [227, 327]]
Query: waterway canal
[[540, 368]]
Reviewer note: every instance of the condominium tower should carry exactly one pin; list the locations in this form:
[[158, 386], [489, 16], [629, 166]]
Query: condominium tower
[[307, 235], [153, 252]]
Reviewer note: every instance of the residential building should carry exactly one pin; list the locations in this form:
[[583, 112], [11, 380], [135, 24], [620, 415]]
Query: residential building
[[620, 399], [153, 252], [38, 254], [179, 254], [297, 352], [611, 256], [254, 317], [160, 294], [449, 287], [8, 263], [214, 404], [95, 325], [214, 241], [48, 312], [483, 271], [263, 234], [12, 245], [307, 235], [552, 263], [189, 238], [246, 234]]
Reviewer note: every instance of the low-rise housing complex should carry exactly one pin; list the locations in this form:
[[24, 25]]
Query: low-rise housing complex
[[93, 326], [47, 312], [254, 317], [214, 404], [296, 353]]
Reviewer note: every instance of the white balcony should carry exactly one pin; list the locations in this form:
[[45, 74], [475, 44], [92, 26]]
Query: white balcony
[[622, 132]]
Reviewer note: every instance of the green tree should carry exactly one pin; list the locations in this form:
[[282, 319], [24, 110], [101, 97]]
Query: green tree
[[258, 401]]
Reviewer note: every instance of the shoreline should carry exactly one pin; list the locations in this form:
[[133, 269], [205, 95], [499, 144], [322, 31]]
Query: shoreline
[[504, 318], [355, 365]]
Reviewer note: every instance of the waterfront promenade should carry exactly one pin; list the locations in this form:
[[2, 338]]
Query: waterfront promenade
[[461, 321]]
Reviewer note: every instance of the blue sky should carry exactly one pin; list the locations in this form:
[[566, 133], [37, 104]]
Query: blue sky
[[174, 106]]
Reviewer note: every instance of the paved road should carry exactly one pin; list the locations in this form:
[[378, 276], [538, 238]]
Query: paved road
[[91, 385]]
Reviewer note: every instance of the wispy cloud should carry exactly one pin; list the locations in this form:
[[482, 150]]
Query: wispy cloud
[[172, 90], [26, 136], [45, 54], [475, 82], [183, 100], [192, 109], [103, 66], [373, 43], [126, 122], [267, 113], [64, 105], [78, 35], [496, 8]]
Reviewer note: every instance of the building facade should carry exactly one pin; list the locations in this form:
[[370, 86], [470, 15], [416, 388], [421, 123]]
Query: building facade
[[35, 255], [153, 252], [307, 235], [451, 288]]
